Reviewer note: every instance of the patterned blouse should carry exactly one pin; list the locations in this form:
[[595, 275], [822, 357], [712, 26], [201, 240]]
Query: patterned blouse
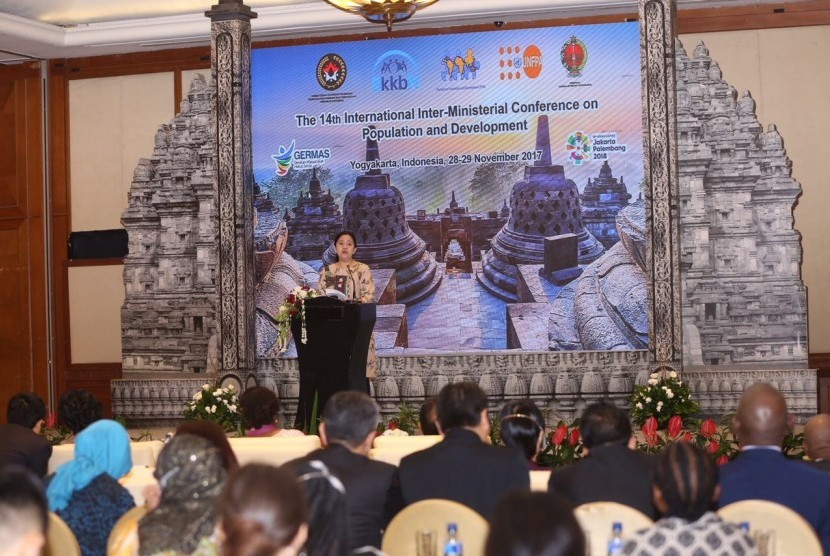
[[355, 281], [708, 536]]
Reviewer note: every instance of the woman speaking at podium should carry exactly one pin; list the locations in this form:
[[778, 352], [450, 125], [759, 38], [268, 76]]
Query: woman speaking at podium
[[354, 281]]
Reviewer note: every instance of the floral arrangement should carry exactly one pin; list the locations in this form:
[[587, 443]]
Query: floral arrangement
[[662, 398], [293, 305], [53, 432], [564, 447], [404, 423], [217, 404]]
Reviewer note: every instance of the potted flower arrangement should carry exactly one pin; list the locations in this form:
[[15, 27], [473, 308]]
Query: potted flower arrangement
[[663, 397], [565, 445], [217, 404], [293, 306]]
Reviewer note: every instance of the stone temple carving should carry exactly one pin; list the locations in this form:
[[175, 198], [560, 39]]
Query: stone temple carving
[[743, 298], [169, 312], [374, 210], [544, 204], [602, 199]]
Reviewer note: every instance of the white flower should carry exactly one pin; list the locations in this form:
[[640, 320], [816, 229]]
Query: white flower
[[652, 381], [654, 375], [206, 386], [212, 409], [673, 374], [670, 395], [648, 400], [659, 408], [197, 396], [659, 403], [639, 406], [230, 387], [669, 392], [232, 408]]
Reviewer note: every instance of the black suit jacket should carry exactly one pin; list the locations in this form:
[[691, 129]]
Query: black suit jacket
[[372, 492], [464, 469], [23, 447], [611, 473]]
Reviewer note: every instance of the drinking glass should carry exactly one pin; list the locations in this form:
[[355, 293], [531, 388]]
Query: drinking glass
[[426, 542]]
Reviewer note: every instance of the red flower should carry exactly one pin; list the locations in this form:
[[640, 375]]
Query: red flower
[[675, 426], [306, 288], [650, 431], [573, 438], [713, 447], [723, 460], [51, 420], [393, 425], [291, 298], [293, 312], [708, 428], [688, 437], [559, 435]]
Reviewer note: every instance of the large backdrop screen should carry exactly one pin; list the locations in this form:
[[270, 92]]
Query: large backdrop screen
[[489, 178]]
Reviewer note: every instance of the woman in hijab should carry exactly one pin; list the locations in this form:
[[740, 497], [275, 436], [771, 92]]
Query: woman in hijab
[[191, 474], [85, 492]]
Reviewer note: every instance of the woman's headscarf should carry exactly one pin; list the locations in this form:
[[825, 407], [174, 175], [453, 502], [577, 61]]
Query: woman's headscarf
[[190, 473], [102, 447]]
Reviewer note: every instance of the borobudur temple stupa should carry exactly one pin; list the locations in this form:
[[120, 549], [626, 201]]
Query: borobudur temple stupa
[[375, 212], [542, 205]]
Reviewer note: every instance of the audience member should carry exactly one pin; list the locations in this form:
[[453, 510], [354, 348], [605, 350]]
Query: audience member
[[20, 440], [534, 524], [523, 427], [191, 475], [77, 409], [215, 435], [85, 491], [428, 418], [685, 491], [262, 511], [23, 515], [612, 470], [761, 471], [817, 441], [463, 467], [327, 517], [372, 487], [261, 410]]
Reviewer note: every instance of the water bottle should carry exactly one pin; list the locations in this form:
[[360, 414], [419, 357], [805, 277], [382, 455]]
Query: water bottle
[[744, 525], [453, 546], [615, 545]]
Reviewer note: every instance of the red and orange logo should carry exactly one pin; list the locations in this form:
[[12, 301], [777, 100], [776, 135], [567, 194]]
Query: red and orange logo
[[515, 62]]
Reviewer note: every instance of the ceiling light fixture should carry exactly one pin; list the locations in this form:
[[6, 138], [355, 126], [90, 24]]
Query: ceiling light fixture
[[382, 11]]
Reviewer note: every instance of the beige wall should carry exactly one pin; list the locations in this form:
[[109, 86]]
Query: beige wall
[[113, 122], [785, 70]]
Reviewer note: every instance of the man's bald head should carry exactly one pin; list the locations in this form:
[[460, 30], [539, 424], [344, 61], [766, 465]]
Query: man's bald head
[[817, 437], [762, 417]]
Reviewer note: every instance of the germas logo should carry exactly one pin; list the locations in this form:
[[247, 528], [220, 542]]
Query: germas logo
[[395, 70], [299, 159]]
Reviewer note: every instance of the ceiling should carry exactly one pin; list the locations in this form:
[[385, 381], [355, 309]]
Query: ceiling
[[44, 29]]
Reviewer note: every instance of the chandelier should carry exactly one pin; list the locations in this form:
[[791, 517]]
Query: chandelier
[[382, 11]]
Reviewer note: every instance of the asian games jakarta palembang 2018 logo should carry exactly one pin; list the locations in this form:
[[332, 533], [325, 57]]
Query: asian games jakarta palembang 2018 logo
[[574, 56], [578, 148]]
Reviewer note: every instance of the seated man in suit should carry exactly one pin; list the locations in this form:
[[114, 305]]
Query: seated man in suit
[[612, 470], [372, 487], [464, 467], [761, 471], [817, 441], [23, 515], [20, 440]]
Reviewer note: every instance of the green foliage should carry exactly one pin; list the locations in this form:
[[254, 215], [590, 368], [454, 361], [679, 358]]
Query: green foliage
[[564, 445], [217, 404], [56, 434], [662, 398], [406, 420]]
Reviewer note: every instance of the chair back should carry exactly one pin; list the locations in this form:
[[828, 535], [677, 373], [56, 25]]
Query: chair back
[[123, 539], [539, 480], [273, 450], [597, 519], [793, 534], [434, 515], [392, 449], [143, 453], [60, 540]]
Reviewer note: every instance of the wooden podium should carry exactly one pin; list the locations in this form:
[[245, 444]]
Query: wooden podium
[[334, 357]]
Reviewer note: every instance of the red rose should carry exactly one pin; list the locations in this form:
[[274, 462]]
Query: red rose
[[723, 460], [574, 437], [293, 312], [559, 435], [713, 447], [687, 437], [708, 428], [675, 426], [291, 298], [393, 425], [306, 288]]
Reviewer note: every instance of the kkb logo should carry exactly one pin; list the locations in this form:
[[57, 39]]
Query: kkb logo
[[395, 71]]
